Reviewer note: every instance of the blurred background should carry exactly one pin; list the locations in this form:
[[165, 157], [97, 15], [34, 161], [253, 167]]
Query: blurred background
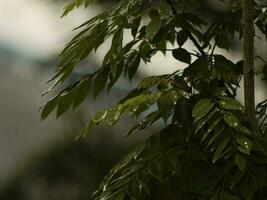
[[41, 159]]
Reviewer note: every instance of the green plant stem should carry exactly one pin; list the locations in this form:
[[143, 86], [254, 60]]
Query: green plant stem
[[248, 51]]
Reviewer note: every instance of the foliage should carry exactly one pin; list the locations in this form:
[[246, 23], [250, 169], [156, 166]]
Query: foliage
[[206, 133]]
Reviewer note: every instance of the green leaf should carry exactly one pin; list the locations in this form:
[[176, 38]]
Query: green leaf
[[243, 129], [100, 116], [133, 66], [194, 19], [236, 178], [223, 41], [224, 66], [135, 26], [202, 108], [81, 92], [74, 4], [221, 148], [165, 10], [114, 114], [247, 188], [204, 120], [217, 132], [49, 107], [230, 104], [65, 102], [116, 44], [181, 55], [153, 27], [210, 129], [196, 68], [231, 120], [244, 142], [100, 82], [151, 81], [227, 196], [240, 162], [181, 37]]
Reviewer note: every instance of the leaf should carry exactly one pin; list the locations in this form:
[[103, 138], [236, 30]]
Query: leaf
[[165, 10], [204, 120], [210, 129], [244, 142], [116, 44], [181, 37], [196, 68], [230, 104], [225, 66], [247, 188], [243, 129], [114, 114], [135, 26], [194, 19], [236, 179], [75, 3], [100, 82], [101, 115], [153, 27], [133, 66], [181, 55], [216, 134], [151, 81], [240, 161], [202, 108], [220, 149], [227, 196], [65, 102], [81, 92], [49, 107], [231, 120]]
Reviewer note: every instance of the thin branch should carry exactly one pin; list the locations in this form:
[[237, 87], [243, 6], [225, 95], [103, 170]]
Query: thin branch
[[248, 50]]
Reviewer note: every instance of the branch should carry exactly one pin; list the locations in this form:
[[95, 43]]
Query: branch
[[248, 50]]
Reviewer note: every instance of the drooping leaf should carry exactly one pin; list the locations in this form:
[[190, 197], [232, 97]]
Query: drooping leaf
[[100, 82], [49, 107], [231, 120], [65, 102], [135, 26], [230, 104], [247, 189], [181, 55], [133, 66], [244, 142], [181, 37], [81, 92], [202, 108], [75, 4], [240, 161], [165, 10], [153, 27], [221, 148], [204, 120]]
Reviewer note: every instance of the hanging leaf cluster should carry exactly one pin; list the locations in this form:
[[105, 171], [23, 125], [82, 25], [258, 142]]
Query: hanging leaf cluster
[[208, 145]]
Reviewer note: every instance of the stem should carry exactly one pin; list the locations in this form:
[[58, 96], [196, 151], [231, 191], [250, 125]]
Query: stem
[[248, 50]]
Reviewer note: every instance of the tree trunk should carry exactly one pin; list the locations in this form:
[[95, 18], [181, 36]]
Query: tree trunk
[[248, 50]]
